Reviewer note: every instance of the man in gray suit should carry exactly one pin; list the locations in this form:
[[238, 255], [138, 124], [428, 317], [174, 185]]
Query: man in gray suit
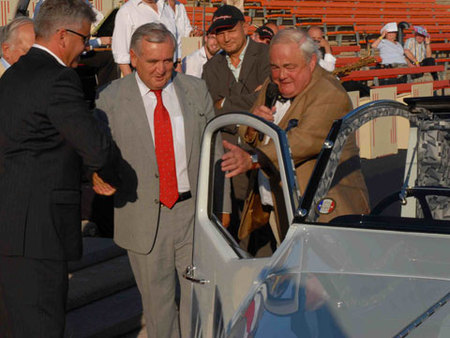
[[154, 220]]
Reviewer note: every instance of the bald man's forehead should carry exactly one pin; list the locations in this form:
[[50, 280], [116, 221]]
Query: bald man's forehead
[[315, 32]]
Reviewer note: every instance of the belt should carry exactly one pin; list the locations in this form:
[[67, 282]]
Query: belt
[[182, 196]]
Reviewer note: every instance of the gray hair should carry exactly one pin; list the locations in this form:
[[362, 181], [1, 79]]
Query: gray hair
[[301, 38], [151, 32], [57, 14], [9, 32]]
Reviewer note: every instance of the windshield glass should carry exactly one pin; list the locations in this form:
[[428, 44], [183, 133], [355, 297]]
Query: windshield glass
[[383, 167]]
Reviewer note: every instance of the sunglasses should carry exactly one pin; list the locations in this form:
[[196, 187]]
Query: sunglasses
[[85, 38]]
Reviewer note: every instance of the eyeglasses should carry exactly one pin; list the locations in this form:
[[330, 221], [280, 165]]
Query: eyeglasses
[[86, 38]]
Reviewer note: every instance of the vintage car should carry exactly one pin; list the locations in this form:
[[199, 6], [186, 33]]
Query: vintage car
[[382, 274]]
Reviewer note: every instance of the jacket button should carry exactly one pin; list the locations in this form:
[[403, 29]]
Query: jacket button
[[156, 176], [156, 201]]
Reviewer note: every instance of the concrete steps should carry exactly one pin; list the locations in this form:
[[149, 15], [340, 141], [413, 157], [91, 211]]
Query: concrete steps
[[103, 300]]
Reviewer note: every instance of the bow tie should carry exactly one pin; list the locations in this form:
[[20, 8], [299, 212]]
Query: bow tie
[[283, 99]]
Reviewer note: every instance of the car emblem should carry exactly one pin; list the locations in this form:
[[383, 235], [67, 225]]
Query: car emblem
[[326, 206]]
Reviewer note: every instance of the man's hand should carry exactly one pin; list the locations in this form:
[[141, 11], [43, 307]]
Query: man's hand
[[101, 187], [225, 218], [236, 161], [196, 32], [324, 43], [265, 112]]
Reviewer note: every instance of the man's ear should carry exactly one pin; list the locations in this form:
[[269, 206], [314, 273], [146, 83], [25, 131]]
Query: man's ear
[[133, 58], [60, 38], [245, 27], [5, 50], [313, 62]]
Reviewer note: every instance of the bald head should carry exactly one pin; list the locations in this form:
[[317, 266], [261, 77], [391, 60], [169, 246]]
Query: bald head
[[315, 33]]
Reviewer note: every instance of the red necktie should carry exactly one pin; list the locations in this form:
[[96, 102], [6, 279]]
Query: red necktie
[[165, 155]]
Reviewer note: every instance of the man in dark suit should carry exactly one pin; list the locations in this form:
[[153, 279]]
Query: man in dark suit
[[155, 204], [235, 75], [46, 134]]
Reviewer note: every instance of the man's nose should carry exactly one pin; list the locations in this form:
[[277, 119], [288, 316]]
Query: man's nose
[[160, 67]]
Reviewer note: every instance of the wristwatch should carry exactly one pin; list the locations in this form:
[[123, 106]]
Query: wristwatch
[[254, 158]]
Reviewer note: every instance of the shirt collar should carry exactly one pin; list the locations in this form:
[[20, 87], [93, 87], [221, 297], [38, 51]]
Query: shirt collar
[[159, 3], [4, 63], [51, 53], [143, 89]]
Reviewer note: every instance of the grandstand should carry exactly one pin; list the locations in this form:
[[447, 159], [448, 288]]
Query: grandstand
[[350, 25]]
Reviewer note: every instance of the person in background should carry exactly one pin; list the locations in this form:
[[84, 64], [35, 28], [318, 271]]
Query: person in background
[[234, 77], [184, 27], [263, 34], [273, 26], [17, 38], [391, 51], [193, 63], [133, 14], [327, 61], [418, 50]]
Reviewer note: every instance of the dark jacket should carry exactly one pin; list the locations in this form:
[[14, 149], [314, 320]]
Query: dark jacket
[[239, 95], [46, 134]]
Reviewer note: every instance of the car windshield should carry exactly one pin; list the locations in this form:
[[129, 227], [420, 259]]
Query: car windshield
[[385, 163]]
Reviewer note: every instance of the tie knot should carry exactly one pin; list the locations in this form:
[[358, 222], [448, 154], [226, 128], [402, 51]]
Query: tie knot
[[157, 92]]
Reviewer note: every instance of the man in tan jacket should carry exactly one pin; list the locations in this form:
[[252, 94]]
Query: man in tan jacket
[[313, 100]]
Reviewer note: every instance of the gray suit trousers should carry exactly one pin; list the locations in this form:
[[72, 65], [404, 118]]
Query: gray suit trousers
[[156, 273]]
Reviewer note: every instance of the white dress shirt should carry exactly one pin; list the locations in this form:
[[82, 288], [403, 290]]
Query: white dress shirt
[[328, 62], [263, 181], [184, 27], [193, 63], [134, 14], [170, 101]]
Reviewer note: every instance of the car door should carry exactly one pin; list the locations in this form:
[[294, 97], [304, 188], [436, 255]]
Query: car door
[[222, 272]]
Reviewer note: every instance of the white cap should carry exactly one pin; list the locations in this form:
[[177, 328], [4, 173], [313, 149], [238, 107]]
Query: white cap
[[389, 27]]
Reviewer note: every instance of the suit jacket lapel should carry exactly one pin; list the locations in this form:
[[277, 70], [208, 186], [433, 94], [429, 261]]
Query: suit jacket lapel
[[134, 107], [249, 59], [187, 109]]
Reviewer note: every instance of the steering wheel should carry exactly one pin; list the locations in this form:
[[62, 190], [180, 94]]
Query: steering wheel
[[420, 193]]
